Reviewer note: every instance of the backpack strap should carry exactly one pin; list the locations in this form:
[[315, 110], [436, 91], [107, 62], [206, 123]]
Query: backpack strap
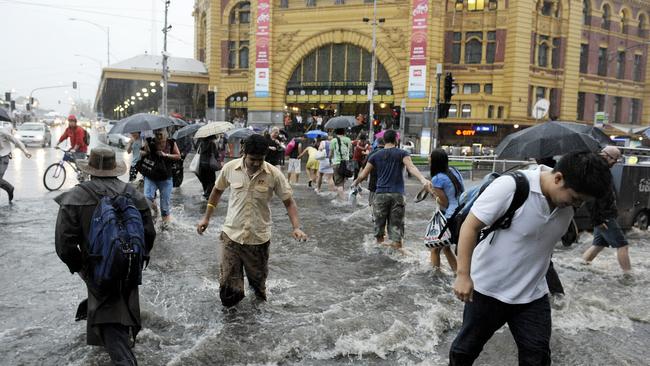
[[522, 189], [458, 187], [90, 192]]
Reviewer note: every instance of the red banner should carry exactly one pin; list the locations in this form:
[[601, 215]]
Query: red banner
[[262, 30], [418, 59]]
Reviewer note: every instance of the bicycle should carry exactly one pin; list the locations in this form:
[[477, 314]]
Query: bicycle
[[55, 174]]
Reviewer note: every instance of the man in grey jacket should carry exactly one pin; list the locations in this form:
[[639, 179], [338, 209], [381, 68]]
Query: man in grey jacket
[[113, 317], [7, 142]]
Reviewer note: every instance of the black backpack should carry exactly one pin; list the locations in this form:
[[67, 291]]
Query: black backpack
[[468, 198]]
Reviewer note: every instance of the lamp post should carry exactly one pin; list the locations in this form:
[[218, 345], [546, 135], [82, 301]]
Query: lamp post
[[371, 85], [610, 58], [165, 73], [108, 36]]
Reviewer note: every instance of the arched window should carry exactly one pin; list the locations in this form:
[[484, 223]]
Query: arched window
[[625, 21], [473, 47], [542, 55], [549, 8], [586, 12], [243, 54], [241, 13], [607, 13], [642, 26]]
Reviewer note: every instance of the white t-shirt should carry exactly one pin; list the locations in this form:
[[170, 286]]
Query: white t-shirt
[[512, 269]]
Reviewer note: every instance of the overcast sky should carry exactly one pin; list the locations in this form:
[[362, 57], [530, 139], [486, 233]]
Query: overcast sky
[[40, 42]]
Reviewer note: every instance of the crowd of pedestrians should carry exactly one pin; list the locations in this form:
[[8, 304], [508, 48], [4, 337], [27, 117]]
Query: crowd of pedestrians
[[500, 283]]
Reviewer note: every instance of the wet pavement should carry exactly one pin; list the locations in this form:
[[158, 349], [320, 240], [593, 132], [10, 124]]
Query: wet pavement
[[335, 299]]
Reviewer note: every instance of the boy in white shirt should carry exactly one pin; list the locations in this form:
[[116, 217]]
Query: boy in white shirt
[[502, 280]]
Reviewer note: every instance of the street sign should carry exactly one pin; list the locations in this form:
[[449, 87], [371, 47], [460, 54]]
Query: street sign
[[600, 119]]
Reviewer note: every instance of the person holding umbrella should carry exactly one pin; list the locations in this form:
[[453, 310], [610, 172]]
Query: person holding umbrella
[[160, 152]]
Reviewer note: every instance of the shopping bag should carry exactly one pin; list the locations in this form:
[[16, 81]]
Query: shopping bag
[[434, 237], [194, 164]]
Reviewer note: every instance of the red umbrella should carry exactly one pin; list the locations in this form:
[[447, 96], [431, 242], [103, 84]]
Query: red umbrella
[[381, 133]]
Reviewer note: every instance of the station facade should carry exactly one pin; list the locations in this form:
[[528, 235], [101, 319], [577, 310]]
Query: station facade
[[270, 60]]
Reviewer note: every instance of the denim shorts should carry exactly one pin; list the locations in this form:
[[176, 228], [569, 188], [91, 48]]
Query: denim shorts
[[612, 237]]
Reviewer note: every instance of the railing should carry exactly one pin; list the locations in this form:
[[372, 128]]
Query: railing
[[480, 165]]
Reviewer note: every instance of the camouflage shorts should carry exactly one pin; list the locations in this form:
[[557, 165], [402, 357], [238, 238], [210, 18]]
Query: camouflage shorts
[[235, 258], [388, 210]]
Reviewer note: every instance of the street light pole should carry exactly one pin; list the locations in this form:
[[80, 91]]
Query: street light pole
[[373, 61], [104, 28], [165, 74]]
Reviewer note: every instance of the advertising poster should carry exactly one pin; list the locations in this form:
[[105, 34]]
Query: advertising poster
[[418, 60], [263, 23]]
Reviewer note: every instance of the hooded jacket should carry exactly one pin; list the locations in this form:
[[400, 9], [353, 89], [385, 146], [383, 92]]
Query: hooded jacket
[[76, 208]]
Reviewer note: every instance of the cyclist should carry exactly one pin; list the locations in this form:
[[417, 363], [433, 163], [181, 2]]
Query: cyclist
[[77, 138]]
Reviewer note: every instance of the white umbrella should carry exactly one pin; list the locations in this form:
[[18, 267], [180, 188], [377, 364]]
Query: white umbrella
[[213, 128]]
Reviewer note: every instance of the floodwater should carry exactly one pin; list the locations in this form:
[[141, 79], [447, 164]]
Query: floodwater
[[335, 299]]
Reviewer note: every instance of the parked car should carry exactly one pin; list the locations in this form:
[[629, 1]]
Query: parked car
[[118, 139], [35, 133]]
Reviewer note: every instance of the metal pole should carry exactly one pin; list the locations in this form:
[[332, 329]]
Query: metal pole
[[434, 140], [371, 88], [165, 75]]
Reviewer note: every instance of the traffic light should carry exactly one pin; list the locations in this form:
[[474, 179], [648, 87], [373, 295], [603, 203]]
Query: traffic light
[[28, 107], [74, 85], [395, 113], [13, 105], [8, 96], [443, 110], [449, 84]]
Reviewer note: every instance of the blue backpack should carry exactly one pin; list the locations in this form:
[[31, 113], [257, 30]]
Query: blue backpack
[[116, 249], [468, 198]]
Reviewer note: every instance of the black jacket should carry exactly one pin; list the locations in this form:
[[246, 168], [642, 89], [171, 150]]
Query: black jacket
[[72, 227], [603, 208]]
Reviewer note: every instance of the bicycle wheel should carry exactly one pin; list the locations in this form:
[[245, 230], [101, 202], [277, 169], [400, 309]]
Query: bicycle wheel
[[54, 177]]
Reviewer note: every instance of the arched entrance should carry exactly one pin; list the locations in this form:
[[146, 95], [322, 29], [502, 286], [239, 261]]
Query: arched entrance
[[237, 108], [333, 80]]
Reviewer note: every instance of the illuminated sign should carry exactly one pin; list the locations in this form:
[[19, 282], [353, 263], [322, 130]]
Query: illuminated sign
[[485, 128], [465, 132]]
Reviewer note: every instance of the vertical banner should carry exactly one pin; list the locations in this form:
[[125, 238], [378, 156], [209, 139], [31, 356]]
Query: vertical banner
[[418, 60], [263, 23]]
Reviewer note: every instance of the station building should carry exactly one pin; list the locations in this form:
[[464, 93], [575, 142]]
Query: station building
[[269, 60]]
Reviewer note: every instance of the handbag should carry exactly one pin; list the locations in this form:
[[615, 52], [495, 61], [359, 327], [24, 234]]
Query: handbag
[[344, 165], [320, 155], [194, 164], [154, 167], [434, 236]]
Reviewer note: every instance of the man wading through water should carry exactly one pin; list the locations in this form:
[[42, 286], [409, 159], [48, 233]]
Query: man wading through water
[[246, 232]]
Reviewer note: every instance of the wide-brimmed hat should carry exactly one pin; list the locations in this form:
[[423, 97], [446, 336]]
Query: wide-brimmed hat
[[102, 163]]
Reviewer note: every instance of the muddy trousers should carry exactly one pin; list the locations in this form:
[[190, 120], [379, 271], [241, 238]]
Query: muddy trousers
[[4, 163], [530, 325], [116, 342], [237, 258]]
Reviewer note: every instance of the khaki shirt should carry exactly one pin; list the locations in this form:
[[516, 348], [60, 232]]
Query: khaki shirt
[[248, 220]]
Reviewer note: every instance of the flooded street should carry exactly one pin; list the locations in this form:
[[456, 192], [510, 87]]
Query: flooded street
[[335, 299]]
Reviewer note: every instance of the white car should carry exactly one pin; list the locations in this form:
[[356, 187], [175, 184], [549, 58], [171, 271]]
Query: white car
[[118, 139], [35, 133]]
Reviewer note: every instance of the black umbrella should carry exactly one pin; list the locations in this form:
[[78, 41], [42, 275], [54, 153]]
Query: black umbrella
[[178, 122], [239, 133], [189, 130], [341, 122], [141, 122], [545, 140], [4, 115], [590, 130]]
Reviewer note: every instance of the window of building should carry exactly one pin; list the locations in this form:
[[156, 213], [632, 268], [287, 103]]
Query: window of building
[[581, 106], [606, 16], [241, 13], [487, 89], [542, 55], [642, 24], [339, 2], [586, 12], [540, 93], [310, 3], [638, 71], [491, 47], [284, 4], [602, 61], [500, 112], [475, 5], [599, 103], [466, 111], [473, 47], [459, 5], [557, 50], [455, 48], [616, 108], [471, 88], [232, 54], [493, 4], [243, 54], [625, 21], [453, 111], [454, 89], [635, 112], [620, 65], [547, 8], [490, 111], [584, 58]]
